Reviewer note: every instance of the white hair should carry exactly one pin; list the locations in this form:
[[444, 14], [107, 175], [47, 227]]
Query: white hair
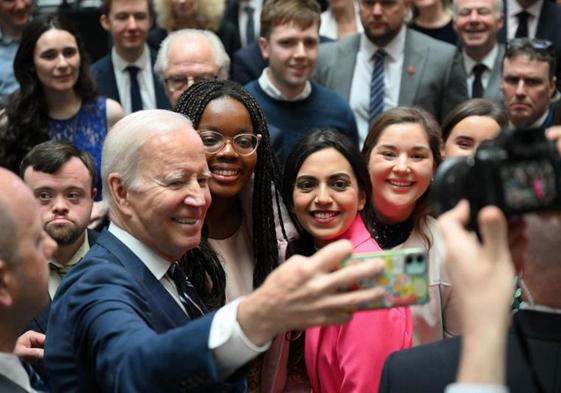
[[221, 57], [122, 144]]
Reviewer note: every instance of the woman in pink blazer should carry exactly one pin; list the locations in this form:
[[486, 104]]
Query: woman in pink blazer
[[327, 187]]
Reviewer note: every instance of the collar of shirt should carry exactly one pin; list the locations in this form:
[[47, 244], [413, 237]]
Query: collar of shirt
[[271, 90], [120, 63], [157, 265], [394, 49], [79, 254], [540, 308], [488, 61], [11, 368], [6, 39], [536, 124], [534, 10]]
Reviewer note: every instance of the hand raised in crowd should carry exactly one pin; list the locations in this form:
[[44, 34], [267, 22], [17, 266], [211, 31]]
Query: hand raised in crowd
[[305, 292], [483, 276]]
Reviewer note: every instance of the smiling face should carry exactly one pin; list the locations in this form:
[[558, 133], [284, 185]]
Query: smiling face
[[57, 60], [401, 166], [326, 195], [466, 136], [477, 23], [292, 53], [230, 171], [168, 210], [527, 89], [14, 15], [65, 200]]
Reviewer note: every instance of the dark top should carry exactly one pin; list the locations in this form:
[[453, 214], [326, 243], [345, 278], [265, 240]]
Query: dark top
[[445, 33]]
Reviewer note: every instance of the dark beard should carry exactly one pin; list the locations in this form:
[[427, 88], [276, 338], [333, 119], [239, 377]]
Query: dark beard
[[65, 235]]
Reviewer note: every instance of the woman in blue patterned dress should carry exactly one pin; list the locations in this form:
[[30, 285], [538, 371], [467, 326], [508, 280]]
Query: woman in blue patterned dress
[[57, 97]]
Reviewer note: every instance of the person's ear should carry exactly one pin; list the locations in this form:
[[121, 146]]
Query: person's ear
[[105, 23], [361, 200], [119, 193], [6, 299], [264, 47]]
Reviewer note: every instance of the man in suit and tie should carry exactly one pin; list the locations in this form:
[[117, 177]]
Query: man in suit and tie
[[534, 19], [126, 318], [533, 344], [243, 16], [390, 65], [126, 73], [528, 83], [477, 22], [24, 275], [187, 56]]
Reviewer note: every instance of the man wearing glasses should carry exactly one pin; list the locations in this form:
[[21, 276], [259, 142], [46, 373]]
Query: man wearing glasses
[[528, 82], [188, 56], [389, 65], [476, 22]]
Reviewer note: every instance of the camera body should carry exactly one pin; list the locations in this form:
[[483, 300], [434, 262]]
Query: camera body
[[519, 172]]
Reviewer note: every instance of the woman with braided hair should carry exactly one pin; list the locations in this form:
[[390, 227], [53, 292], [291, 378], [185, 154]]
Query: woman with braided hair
[[243, 224], [247, 225]]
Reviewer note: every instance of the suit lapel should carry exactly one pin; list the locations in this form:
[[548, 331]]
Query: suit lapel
[[6, 385], [414, 59], [493, 90], [346, 58], [113, 91], [161, 301]]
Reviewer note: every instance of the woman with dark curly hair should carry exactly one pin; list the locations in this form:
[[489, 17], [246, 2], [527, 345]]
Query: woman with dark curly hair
[[57, 98]]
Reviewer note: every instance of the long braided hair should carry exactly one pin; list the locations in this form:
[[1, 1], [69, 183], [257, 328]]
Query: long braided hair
[[266, 186]]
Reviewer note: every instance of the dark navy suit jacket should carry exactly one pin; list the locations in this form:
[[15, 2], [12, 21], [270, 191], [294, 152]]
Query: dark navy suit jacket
[[429, 368], [39, 323], [104, 75], [114, 328]]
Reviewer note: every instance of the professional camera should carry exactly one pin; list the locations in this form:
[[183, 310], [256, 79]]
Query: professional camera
[[519, 171]]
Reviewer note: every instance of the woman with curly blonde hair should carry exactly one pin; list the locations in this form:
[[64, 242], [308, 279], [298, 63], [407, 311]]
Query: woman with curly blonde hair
[[174, 15]]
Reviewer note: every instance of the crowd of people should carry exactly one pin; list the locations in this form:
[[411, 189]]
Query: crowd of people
[[174, 217]]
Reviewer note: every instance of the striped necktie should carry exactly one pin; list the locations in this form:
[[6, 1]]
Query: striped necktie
[[377, 90], [187, 293]]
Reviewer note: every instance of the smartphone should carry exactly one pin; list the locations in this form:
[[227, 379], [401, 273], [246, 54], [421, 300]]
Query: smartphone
[[405, 277]]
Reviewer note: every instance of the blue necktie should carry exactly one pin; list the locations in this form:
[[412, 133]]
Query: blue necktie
[[187, 293], [377, 90], [136, 99]]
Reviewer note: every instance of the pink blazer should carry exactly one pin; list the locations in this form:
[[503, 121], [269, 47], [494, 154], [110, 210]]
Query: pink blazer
[[350, 357]]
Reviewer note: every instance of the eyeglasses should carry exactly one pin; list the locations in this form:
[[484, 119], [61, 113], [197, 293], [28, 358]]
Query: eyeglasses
[[541, 47], [385, 4], [243, 144], [180, 82]]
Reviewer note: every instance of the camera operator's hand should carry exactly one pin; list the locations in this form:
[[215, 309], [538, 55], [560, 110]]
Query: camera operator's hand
[[483, 275], [554, 133]]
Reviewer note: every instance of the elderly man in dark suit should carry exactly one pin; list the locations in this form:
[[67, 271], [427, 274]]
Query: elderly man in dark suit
[[24, 275], [533, 345], [126, 318], [126, 73], [477, 22], [390, 65]]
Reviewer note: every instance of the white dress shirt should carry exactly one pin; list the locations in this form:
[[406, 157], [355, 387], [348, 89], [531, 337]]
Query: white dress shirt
[[514, 8], [362, 74], [54, 277], [242, 18], [475, 388], [488, 61], [230, 346], [11, 368], [145, 79]]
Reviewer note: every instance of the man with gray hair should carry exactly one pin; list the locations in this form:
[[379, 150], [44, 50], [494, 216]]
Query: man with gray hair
[[477, 22], [187, 56], [137, 325], [24, 275]]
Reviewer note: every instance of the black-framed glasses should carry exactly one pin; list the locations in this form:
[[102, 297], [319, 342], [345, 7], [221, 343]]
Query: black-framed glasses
[[543, 47], [243, 144], [180, 82]]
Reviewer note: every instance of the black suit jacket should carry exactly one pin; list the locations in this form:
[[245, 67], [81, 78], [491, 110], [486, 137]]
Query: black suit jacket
[[429, 368], [549, 28], [104, 75], [39, 323]]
